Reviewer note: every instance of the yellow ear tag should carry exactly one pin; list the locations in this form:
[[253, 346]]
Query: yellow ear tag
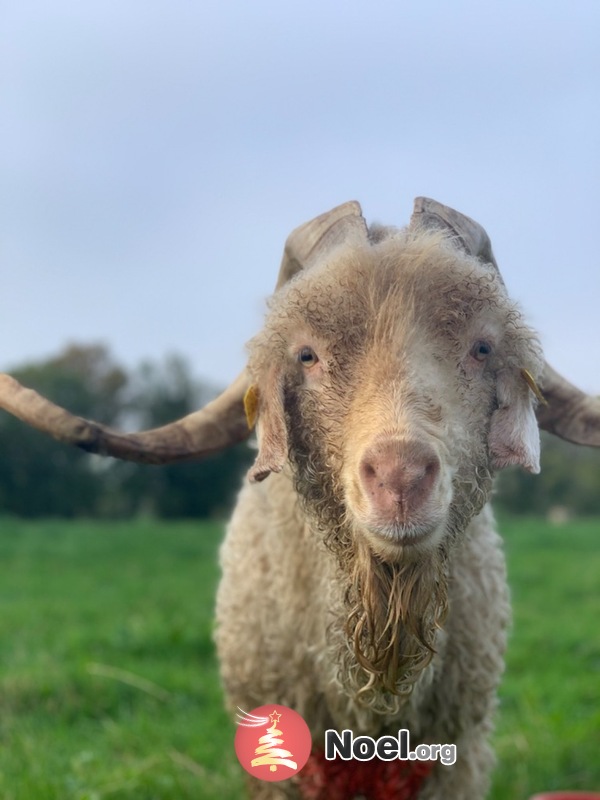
[[251, 405], [529, 380]]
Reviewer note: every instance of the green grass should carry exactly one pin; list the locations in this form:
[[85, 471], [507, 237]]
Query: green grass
[[548, 731], [109, 686], [83, 604]]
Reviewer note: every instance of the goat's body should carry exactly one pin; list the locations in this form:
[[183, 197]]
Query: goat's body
[[282, 591], [364, 583]]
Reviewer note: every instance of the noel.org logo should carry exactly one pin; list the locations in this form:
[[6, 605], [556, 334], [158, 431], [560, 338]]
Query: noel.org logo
[[272, 742]]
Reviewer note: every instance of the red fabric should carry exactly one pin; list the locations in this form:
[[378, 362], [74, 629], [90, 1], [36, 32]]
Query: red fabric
[[374, 780]]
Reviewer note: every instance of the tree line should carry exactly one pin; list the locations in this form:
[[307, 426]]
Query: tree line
[[569, 481], [41, 477]]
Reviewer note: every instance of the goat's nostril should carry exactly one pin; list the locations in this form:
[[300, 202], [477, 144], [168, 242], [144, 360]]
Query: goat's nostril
[[369, 471], [432, 469]]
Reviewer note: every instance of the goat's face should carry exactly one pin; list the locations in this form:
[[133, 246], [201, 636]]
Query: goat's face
[[391, 377]]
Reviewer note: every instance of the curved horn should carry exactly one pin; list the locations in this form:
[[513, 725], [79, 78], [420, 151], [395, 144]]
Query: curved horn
[[570, 413], [218, 425], [469, 235]]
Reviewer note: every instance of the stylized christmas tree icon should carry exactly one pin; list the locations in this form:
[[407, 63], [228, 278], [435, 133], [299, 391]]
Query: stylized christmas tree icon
[[268, 751]]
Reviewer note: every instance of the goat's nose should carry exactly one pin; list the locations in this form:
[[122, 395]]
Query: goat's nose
[[398, 477]]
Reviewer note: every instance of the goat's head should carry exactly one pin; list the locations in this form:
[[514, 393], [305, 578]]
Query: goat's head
[[391, 374]]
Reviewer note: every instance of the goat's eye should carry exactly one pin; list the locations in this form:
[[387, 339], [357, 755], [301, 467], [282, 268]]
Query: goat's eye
[[307, 357], [481, 350]]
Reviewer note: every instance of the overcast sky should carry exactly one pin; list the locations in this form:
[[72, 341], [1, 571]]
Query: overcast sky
[[154, 156]]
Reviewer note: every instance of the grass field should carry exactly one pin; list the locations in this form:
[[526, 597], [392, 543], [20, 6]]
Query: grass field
[[109, 687]]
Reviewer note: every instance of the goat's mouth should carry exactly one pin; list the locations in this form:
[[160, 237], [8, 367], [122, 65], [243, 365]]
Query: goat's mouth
[[425, 533], [394, 530]]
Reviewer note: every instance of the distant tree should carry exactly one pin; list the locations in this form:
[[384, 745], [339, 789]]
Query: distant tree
[[569, 477], [160, 394], [39, 476]]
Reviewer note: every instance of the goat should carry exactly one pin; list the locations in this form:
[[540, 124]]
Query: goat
[[364, 583]]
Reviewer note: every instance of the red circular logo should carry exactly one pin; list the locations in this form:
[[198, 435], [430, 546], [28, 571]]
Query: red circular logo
[[272, 742]]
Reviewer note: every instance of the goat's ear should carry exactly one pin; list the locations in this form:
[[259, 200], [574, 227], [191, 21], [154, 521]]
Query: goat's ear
[[271, 430], [514, 436]]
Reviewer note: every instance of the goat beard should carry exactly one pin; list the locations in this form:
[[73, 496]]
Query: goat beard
[[393, 612]]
